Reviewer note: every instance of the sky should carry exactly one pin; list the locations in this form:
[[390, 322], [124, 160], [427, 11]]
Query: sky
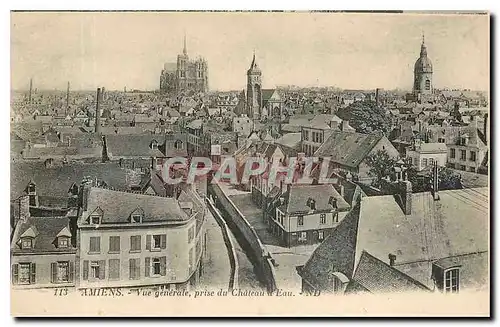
[[350, 51]]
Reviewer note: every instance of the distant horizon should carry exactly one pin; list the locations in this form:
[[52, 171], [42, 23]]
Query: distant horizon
[[347, 51]]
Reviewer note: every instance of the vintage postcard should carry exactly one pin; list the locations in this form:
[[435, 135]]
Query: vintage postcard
[[250, 164]]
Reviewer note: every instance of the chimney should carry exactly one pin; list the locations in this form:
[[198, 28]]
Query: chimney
[[406, 196], [98, 112], [24, 208], [377, 94], [392, 259], [282, 200], [67, 100], [31, 90]]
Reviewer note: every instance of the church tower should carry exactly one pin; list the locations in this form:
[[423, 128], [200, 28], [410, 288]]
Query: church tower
[[422, 85], [254, 90], [182, 68]]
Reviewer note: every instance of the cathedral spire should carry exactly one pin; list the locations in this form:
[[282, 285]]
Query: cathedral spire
[[184, 51]]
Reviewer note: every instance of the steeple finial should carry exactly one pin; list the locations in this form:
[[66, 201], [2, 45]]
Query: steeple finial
[[185, 46], [423, 38], [253, 60]]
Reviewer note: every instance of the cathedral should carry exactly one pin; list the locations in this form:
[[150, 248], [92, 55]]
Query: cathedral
[[422, 82], [185, 75]]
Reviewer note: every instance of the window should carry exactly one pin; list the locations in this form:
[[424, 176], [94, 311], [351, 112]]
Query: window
[[26, 243], [23, 273], [300, 221], [431, 161], [410, 160], [472, 156], [463, 155], [424, 162], [94, 220], [31, 189], [114, 269], [451, 280], [60, 272], [156, 266], [452, 153], [135, 219], [135, 243], [441, 140], [303, 237], [63, 242], [95, 270], [95, 244], [322, 219], [134, 269], [114, 244], [462, 167], [427, 84], [156, 242], [321, 235]]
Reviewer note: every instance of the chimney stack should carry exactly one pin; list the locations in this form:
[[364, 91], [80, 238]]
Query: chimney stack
[[377, 95], [31, 90], [98, 112], [406, 196], [392, 259], [67, 100], [24, 208]]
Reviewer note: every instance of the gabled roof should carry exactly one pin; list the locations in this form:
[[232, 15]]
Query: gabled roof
[[296, 198], [46, 230], [117, 206], [348, 148], [376, 276], [132, 145]]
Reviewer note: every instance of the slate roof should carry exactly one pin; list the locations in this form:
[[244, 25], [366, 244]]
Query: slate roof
[[433, 147], [348, 148], [376, 276], [335, 254], [117, 206], [297, 196], [154, 179], [133, 145], [452, 134], [58, 180], [291, 140], [46, 230]]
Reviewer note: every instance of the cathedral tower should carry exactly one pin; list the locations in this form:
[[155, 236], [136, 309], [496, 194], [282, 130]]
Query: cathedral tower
[[254, 90], [422, 85]]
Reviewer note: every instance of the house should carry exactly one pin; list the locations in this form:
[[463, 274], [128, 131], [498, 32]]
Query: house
[[42, 254], [348, 151], [307, 214], [242, 125], [130, 239], [424, 155], [319, 129], [404, 242]]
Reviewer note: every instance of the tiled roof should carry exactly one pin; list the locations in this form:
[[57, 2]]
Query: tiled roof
[[46, 230], [298, 195], [376, 276], [348, 148], [117, 206]]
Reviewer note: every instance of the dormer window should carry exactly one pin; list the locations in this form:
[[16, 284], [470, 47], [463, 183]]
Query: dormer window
[[31, 189], [446, 275], [178, 145], [95, 220], [137, 215], [311, 203], [154, 145], [26, 243], [62, 242], [135, 218], [333, 202]]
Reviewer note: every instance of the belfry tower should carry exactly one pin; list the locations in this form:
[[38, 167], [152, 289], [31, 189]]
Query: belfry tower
[[422, 85], [254, 90]]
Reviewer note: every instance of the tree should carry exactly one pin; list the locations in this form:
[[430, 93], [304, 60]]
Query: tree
[[380, 164], [366, 117], [422, 181]]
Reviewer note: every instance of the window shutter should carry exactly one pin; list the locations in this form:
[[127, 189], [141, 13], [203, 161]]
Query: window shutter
[[71, 272], [163, 266], [98, 244], [163, 241], [148, 242], [53, 272], [131, 271], [15, 273], [147, 268], [85, 269], [102, 269], [33, 274]]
